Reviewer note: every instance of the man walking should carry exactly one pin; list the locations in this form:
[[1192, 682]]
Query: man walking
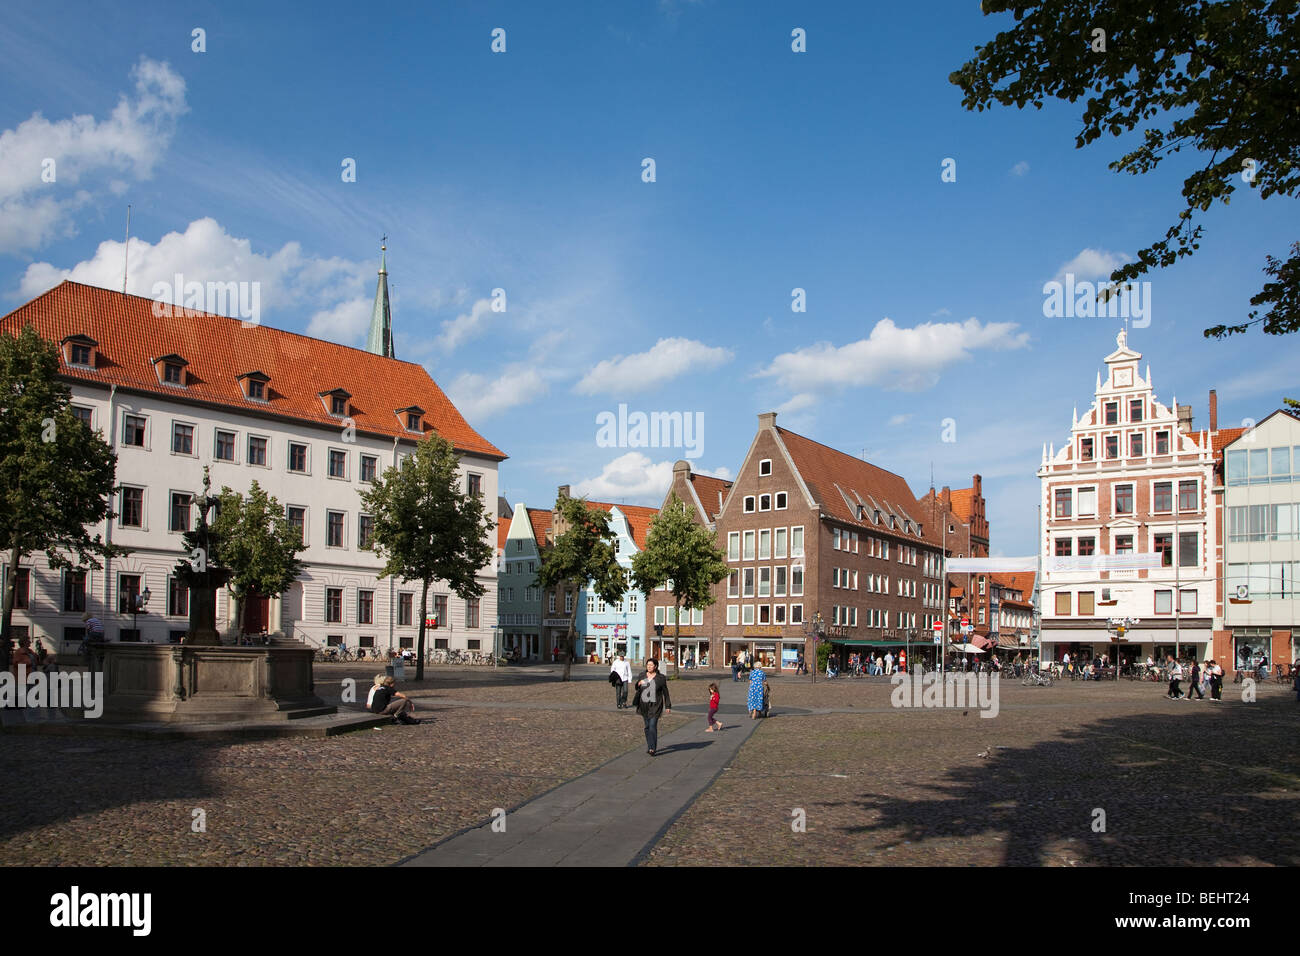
[[889, 663], [1195, 686], [623, 671], [1175, 676]]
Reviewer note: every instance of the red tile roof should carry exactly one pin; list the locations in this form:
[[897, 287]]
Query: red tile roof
[[1022, 581], [541, 520], [638, 519], [708, 487], [831, 475], [503, 532], [962, 503], [220, 349]]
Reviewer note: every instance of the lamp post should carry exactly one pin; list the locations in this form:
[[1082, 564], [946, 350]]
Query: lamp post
[[816, 629], [138, 603]]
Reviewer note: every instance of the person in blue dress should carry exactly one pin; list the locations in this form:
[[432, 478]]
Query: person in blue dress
[[756, 680]]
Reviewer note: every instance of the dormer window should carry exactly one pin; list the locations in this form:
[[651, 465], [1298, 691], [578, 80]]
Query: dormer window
[[336, 402], [255, 385], [79, 350], [170, 369], [411, 418]]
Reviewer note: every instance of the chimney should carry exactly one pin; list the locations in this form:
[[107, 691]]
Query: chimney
[[564, 491], [1214, 411], [682, 466], [767, 420], [1185, 419]]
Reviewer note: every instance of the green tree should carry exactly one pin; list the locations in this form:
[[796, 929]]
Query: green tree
[[1224, 78], [56, 475], [428, 529], [682, 554], [250, 538], [581, 554]]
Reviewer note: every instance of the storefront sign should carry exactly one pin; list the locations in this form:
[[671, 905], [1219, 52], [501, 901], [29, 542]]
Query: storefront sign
[[762, 632]]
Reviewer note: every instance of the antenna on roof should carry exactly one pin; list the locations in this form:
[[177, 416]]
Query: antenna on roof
[[126, 254]]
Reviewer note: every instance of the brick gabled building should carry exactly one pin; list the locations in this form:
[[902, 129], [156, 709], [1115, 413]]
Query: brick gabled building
[[815, 535], [964, 533]]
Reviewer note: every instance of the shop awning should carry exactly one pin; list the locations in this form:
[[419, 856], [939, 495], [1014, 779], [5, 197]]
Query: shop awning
[[899, 643]]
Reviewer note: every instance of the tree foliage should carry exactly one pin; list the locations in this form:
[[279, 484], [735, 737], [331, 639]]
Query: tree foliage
[[1220, 79], [581, 554], [56, 475], [682, 554], [429, 528]]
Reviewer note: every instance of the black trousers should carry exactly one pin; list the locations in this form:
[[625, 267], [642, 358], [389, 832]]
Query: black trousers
[[1195, 688]]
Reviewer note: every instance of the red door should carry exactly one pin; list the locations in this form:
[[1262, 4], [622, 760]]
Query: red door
[[256, 609]]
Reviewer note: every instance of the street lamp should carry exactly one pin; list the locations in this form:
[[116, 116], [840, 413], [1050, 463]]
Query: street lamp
[[138, 603]]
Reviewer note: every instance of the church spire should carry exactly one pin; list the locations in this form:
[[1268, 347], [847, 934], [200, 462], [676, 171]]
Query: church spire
[[380, 340]]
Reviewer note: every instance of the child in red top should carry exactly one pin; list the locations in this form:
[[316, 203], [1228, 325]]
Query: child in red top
[[714, 698]]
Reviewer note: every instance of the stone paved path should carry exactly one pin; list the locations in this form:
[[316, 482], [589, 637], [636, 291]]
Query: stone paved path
[[614, 815]]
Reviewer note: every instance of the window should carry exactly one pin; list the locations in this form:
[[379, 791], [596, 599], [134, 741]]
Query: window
[[1135, 445], [1062, 602], [733, 614], [765, 614], [781, 500], [178, 598], [1123, 499], [1087, 603], [1123, 544], [256, 451], [297, 518], [747, 614], [749, 546], [764, 502], [74, 590], [412, 422], [180, 512], [1187, 495], [182, 439], [1064, 502], [749, 504], [78, 354], [1063, 546], [368, 465], [796, 581], [365, 531], [297, 457], [1112, 447], [440, 609], [733, 584], [1189, 555], [256, 390], [733, 546], [764, 582], [778, 544], [1162, 496], [764, 545], [747, 585], [171, 373], [779, 585], [796, 543], [1164, 602], [1162, 443], [338, 463], [82, 414], [333, 605], [131, 512], [405, 606], [1112, 413], [631, 604], [778, 614], [338, 405], [133, 431], [1164, 546], [1087, 547], [1085, 449], [475, 484], [1087, 501], [225, 450], [796, 613], [365, 607], [128, 590], [765, 466], [1186, 602], [1135, 409], [568, 603], [333, 529]]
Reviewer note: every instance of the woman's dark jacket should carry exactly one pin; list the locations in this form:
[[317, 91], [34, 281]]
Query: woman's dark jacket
[[661, 695]]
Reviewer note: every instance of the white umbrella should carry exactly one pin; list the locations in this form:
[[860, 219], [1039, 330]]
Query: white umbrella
[[967, 649]]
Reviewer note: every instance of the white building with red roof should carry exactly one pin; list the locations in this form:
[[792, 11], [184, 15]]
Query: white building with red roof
[[313, 422]]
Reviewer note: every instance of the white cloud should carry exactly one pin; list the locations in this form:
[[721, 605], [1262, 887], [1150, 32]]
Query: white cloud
[[900, 419], [1093, 264], [90, 154], [796, 403], [464, 326], [205, 252], [940, 313], [630, 476], [1020, 168], [477, 397], [891, 358], [666, 360]]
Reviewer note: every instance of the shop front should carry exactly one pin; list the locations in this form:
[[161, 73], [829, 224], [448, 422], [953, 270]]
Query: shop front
[[691, 649], [766, 647], [1190, 642], [607, 641]]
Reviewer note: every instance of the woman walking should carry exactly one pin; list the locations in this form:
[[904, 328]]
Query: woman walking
[[755, 702], [652, 702]]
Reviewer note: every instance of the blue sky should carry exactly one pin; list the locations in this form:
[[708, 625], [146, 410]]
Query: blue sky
[[522, 171]]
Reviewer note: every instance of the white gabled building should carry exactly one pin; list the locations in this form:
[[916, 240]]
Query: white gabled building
[[311, 421], [1134, 478]]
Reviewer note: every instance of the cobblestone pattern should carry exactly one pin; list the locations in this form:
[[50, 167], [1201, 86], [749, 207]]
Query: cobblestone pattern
[[1180, 782], [370, 797]]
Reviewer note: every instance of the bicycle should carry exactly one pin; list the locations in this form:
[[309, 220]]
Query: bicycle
[[1036, 679]]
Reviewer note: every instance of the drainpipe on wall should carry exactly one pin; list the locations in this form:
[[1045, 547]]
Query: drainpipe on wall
[[108, 522]]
